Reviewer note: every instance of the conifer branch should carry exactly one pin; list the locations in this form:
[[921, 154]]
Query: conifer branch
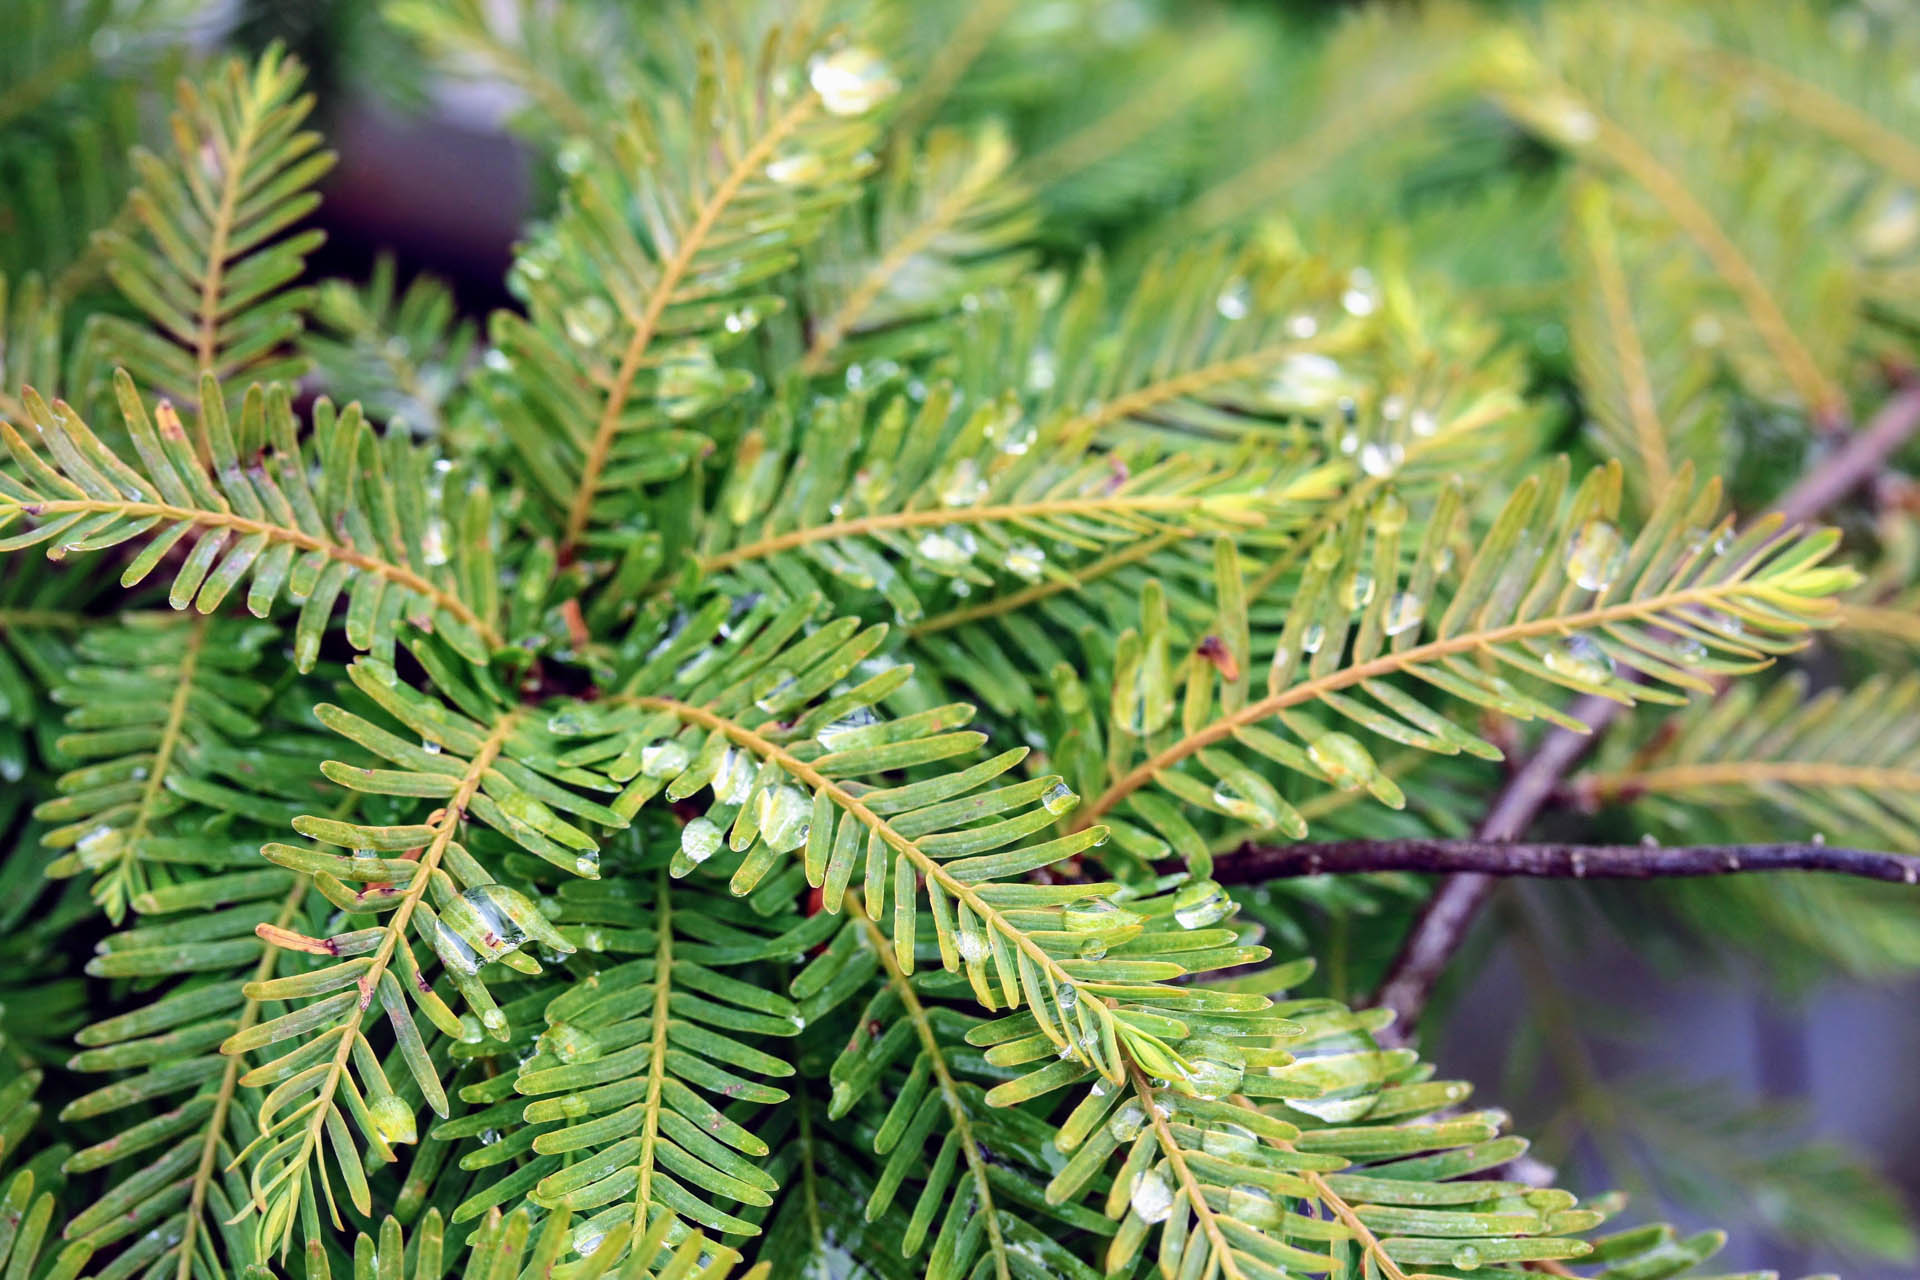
[[1258, 863], [1443, 924], [966, 893], [1220, 1244], [229, 1082], [634, 355], [970, 1146], [1222, 728]]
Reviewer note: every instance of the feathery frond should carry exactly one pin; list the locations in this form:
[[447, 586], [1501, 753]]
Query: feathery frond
[[155, 706], [486, 758], [173, 1204], [1648, 383], [948, 222], [1305, 1149], [645, 1080], [1178, 385], [1553, 593], [745, 707], [867, 494], [966, 1212], [663, 255], [210, 263], [341, 511]]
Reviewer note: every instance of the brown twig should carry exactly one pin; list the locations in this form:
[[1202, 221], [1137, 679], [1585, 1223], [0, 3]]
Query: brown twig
[[1443, 924], [1255, 863]]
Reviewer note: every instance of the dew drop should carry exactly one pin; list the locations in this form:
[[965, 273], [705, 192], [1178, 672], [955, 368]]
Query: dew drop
[[1025, 561], [840, 730], [588, 322], [1152, 1198], [1361, 298], [1058, 799], [1215, 1074], [587, 1239], [664, 759], [1404, 612], [1229, 1140], [1312, 638], [1199, 903], [734, 779], [1306, 382], [1381, 459], [570, 1044], [963, 485], [785, 818], [699, 840], [851, 81], [949, 548], [797, 168], [1359, 591], [1127, 1121], [1595, 555], [1579, 658], [1235, 300]]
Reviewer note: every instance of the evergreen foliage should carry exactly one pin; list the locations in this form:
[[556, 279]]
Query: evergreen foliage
[[725, 767]]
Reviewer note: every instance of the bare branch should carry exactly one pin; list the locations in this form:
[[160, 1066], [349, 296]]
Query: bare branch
[[1254, 863]]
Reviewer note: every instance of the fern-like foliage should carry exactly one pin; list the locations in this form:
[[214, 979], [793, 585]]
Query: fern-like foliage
[[209, 264], [156, 706], [1647, 382], [1553, 594], [738, 775], [949, 221], [70, 111], [870, 495], [399, 353], [1787, 313], [485, 757], [312, 518], [968, 1207], [640, 283], [640, 1097], [171, 1193]]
